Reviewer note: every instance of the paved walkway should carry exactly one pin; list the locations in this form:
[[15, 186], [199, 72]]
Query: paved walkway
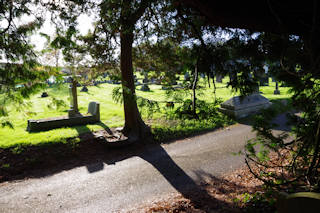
[[102, 187]]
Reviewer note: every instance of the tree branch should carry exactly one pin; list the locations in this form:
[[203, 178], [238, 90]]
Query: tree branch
[[140, 11]]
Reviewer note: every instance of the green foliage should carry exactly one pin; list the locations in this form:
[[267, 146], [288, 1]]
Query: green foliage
[[20, 72], [258, 202], [296, 69], [174, 129]]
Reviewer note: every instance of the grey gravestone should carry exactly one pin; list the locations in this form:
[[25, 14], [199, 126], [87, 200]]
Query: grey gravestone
[[219, 78], [84, 89], [276, 91], [165, 88], [145, 88], [239, 107], [145, 80], [44, 94]]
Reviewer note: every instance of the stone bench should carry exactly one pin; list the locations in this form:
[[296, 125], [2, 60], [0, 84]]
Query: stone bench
[[93, 116]]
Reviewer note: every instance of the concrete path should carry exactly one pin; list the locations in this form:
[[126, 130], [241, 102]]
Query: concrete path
[[132, 181]]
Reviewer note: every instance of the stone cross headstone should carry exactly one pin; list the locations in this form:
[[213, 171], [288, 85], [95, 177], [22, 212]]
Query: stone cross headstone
[[276, 91], [73, 111]]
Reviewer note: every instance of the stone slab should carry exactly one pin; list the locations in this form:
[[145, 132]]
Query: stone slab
[[92, 117], [58, 122], [240, 102], [240, 107]]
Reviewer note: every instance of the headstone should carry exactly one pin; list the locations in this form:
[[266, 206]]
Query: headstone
[[219, 78], [44, 94], [145, 88], [84, 89], [239, 107], [165, 88], [276, 91], [145, 80]]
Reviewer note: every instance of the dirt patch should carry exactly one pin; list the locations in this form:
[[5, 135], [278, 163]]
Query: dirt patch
[[231, 193]]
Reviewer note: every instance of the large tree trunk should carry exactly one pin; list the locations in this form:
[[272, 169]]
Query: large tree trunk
[[134, 126]]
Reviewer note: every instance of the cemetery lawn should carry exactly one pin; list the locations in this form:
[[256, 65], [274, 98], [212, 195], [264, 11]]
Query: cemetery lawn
[[111, 113]]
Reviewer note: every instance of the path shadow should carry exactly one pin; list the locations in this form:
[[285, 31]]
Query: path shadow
[[95, 154], [105, 127], [180, 180], [95, 166]]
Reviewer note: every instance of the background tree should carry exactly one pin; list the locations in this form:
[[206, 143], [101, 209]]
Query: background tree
[[20, 72]]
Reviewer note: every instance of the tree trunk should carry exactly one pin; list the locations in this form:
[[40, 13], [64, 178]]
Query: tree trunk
[[194, 87], [134, 126]]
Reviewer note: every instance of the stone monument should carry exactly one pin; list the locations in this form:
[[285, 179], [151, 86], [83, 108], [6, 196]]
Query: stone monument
[[74, 110], [219, 78], [243, 106], [276, 91]]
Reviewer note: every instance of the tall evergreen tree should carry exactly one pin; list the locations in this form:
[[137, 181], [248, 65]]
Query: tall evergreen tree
[[20, 74]]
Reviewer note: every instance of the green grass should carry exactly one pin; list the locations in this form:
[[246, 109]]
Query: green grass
[[111, 113]]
